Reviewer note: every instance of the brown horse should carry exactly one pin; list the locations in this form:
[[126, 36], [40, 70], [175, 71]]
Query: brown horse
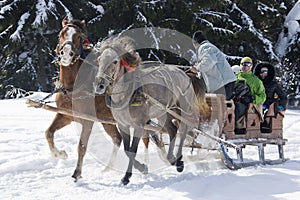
[[165, 90], [75, 95]]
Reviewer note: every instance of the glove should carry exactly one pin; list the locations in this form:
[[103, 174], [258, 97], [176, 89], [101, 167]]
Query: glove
[[280, 108], [246, 99], [199, 75], [265, 107]]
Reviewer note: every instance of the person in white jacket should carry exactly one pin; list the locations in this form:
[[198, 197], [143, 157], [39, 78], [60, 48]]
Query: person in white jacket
[[213, 67]]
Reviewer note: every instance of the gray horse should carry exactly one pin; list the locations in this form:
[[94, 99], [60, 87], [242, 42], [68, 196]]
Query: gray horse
[[162, 89]]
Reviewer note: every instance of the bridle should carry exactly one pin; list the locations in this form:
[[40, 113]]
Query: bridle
[[110, 78], [77, 53]]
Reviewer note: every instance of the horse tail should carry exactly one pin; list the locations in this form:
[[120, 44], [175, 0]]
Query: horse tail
[[200, 90]]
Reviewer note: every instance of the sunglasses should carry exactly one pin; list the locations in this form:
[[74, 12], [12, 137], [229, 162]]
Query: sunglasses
[[247, 64], [264, 71]]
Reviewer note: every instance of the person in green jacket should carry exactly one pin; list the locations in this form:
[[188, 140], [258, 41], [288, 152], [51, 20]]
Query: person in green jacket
[[256, 91]]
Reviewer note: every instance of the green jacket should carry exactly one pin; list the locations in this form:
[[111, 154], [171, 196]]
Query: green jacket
[[256, 86]]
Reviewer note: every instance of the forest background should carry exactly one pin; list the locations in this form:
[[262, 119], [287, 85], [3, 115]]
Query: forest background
[[262, 29]]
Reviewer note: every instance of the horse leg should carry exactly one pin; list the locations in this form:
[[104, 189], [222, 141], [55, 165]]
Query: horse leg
[[116, 137], [182, 135], [58, 122], [130, 151], [146, 143], [172, 130], [82, 147], [159, 145], [126, 143]]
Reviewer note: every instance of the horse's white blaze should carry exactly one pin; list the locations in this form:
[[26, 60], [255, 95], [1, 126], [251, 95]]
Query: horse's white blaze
[[67, 56]]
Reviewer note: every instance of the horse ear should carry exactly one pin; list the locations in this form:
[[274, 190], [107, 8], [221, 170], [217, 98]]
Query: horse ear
[[64, 22], [83, 23]]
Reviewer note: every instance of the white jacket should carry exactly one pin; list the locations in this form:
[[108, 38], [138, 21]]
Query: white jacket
[[213, 66]]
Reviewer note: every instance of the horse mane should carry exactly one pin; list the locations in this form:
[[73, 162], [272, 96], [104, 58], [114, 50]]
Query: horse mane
[[124, 46], [78, 23]]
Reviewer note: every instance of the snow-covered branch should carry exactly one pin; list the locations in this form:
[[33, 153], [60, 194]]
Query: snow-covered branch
[[5, 31], [268, 45], [17, 34], [41, 11], [6, 8], [67, 11]]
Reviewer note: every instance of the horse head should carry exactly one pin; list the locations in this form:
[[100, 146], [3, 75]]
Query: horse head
[[71, 39], [108, 69], [112, 52]]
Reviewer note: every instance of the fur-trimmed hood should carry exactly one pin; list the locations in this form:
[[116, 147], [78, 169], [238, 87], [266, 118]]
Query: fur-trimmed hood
[[271, 69]]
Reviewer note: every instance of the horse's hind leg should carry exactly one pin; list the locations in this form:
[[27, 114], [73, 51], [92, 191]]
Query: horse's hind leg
[[172, 130], [58, 122], [160, 145], [82, 147], [182, 134], [146, 143]]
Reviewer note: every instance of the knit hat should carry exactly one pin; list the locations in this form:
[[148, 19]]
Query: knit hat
[[246, 59], [235, 68], [198, 37]]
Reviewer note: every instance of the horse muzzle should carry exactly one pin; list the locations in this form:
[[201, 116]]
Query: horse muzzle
[[100, 87], [66, 55]]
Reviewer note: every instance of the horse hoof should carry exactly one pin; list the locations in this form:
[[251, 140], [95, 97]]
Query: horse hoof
[[180, 166], [63, 155], [145, 169], [172, 160], [76, 178], [76, 175], [60, 154], [125, 181]]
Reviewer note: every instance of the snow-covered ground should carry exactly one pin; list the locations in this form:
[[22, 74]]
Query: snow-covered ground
[[27, 170]]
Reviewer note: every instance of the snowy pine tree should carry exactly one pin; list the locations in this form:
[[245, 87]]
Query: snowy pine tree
[[29, 29]]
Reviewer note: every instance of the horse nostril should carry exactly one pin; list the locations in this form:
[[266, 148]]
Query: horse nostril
[[101, 87], [71, 54]]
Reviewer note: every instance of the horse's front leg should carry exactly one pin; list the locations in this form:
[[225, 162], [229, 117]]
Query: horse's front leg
[[58, 122], [82, 147], [130, 151]]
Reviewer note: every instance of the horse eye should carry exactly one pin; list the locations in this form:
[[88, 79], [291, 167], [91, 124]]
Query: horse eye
[[115, 62]]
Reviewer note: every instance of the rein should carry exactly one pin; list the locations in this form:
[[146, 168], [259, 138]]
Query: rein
[[79, 55], [135, 79], [64, 91]]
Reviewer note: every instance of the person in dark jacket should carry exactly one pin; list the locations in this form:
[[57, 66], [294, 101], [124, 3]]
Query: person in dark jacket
[[266, 73], [254, 93]]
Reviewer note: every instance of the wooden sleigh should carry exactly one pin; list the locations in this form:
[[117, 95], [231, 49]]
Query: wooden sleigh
[[259, 133]]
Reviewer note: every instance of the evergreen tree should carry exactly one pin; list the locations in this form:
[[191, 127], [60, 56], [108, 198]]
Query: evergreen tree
[[29, 29]]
